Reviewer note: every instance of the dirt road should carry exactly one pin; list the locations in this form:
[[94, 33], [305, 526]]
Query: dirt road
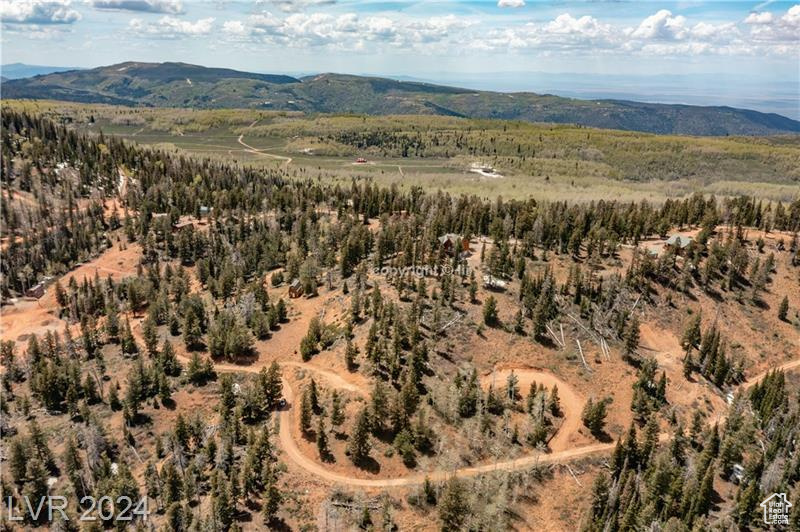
[[571, 403], [256, 151], [786, 366]]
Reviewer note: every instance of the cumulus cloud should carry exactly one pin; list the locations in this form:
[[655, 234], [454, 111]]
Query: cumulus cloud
[[292, 6], [347, 31], [661, 33], [510, 3], [38, 12], [171, 28], [661, 26], [171, 7], [765, 27], [765, 17]]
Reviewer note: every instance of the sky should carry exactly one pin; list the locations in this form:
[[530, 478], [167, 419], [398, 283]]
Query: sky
[[667, 50]]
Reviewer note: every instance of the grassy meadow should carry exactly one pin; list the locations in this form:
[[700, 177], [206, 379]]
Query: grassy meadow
[[545, 161]]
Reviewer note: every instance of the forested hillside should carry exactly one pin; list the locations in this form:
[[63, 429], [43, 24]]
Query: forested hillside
[[184, 85], [241, 348]]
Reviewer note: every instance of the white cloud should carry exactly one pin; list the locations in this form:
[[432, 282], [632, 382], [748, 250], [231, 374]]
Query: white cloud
[[771, 29], [291, 6], [234, 27], [659, 34], [171, 7], [510, 3], [347, 31], [38, 12], [662, 26], [764, 17], [584, 28], [171, 28]]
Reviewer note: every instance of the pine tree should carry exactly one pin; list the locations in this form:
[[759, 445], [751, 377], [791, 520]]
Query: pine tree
[[168, 359], [313, 395], [379, 406], [519, 323], [322, 439], [453, 506], [127, 341], [150, 335], [747, 504], [350, 355], [468, 398], [18, 459], [599, 497], [337, 413], [113, 398], [306, 412], [783, 309], [272, 501], [702, 499], [555, 402], [691, 336], [632, 337], [35, 488], [112, 321], [594, 415], [358, 445], [473, 288], [271, 386], [223, 504], [192, 333], [512, 387], [490, 311]]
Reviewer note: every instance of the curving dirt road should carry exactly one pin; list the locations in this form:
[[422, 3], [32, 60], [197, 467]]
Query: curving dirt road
[[571, 424], [571, 402], [256, 151], [786, 366]]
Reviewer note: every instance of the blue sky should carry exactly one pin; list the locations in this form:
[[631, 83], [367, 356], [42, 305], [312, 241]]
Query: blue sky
[[755, 42]]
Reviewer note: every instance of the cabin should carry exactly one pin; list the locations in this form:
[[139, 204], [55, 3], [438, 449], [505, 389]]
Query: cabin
[[181, 224], [449, 241], [738, 473], [36, 291], [295, 289], [678, 242], [493, 283]]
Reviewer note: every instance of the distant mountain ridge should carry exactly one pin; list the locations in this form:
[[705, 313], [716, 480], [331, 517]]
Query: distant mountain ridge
[[185, 85], [21, 70]]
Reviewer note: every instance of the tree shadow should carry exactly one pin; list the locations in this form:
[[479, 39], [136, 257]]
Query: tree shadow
[[763, 305], [603, 436], [278, 524], [327, 456], [369, 464], [169, 403]]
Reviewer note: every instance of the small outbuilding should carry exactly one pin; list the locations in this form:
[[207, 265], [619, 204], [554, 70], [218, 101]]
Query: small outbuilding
[[449, 242], [493, 283], [36, 291], [295, 289], [678, 241]]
